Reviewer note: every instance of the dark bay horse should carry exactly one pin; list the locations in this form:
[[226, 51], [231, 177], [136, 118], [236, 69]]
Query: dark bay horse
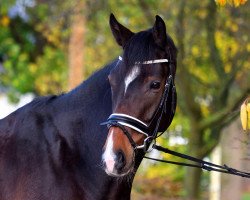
[[54, 147]]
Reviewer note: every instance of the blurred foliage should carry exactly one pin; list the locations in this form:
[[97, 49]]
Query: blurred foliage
[[34, 49], [235, 3], [33, 57]]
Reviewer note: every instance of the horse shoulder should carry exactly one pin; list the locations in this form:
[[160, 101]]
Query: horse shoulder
[[33, 154]]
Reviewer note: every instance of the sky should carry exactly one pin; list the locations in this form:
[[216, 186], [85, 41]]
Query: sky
[[6, 107]]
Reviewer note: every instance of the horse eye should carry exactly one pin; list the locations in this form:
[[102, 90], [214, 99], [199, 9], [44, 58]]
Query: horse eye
[[155, 85]]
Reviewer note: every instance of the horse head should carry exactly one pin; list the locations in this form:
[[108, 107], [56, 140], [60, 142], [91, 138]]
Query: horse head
[[143, 94]]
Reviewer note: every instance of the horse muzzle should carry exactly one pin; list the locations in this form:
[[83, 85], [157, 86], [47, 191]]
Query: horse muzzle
[[118, 156]]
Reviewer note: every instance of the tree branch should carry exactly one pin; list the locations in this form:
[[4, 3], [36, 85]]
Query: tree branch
[[193, 109], [221, 116], [230, 78], [214, 53]]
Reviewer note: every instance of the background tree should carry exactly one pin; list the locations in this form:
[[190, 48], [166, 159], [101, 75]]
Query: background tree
[[76, 45], [212, 105], [37, 53]]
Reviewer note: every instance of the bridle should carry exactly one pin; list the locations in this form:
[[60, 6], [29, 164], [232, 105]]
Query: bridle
[[166, 108]]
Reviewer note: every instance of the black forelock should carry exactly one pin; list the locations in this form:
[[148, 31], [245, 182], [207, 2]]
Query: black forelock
[[172, 48], [141, 47]]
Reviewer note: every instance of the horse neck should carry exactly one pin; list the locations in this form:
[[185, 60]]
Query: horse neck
[[92, 102], [93, 88]]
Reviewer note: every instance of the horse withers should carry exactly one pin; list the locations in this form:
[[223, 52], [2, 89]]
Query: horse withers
[[54, 147]]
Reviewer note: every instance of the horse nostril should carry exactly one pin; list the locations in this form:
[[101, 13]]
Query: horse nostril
[[121, 161]]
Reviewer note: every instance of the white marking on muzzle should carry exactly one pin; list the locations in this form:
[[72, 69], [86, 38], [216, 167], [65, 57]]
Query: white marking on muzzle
[[109, 155], [131, 77]]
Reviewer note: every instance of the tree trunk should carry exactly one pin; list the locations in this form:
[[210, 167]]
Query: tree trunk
[[234, 154], [193, 176], [215, 177], [76, 46], [192, 183]]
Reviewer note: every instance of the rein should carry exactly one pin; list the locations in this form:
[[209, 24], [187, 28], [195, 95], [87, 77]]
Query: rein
[[208, 166]]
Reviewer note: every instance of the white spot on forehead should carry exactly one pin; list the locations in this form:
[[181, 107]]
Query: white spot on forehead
[[131, 77]]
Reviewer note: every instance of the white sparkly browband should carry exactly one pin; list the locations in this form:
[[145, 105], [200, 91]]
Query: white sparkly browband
[[149, 61]]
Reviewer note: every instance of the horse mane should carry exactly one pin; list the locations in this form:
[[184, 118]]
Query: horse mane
[[96, 78]]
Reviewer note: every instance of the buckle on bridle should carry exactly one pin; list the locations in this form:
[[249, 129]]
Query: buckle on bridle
[[147, 145]]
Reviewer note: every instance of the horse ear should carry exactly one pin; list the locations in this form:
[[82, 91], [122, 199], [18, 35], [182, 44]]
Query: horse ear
[[121, 33], [159, 32]]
